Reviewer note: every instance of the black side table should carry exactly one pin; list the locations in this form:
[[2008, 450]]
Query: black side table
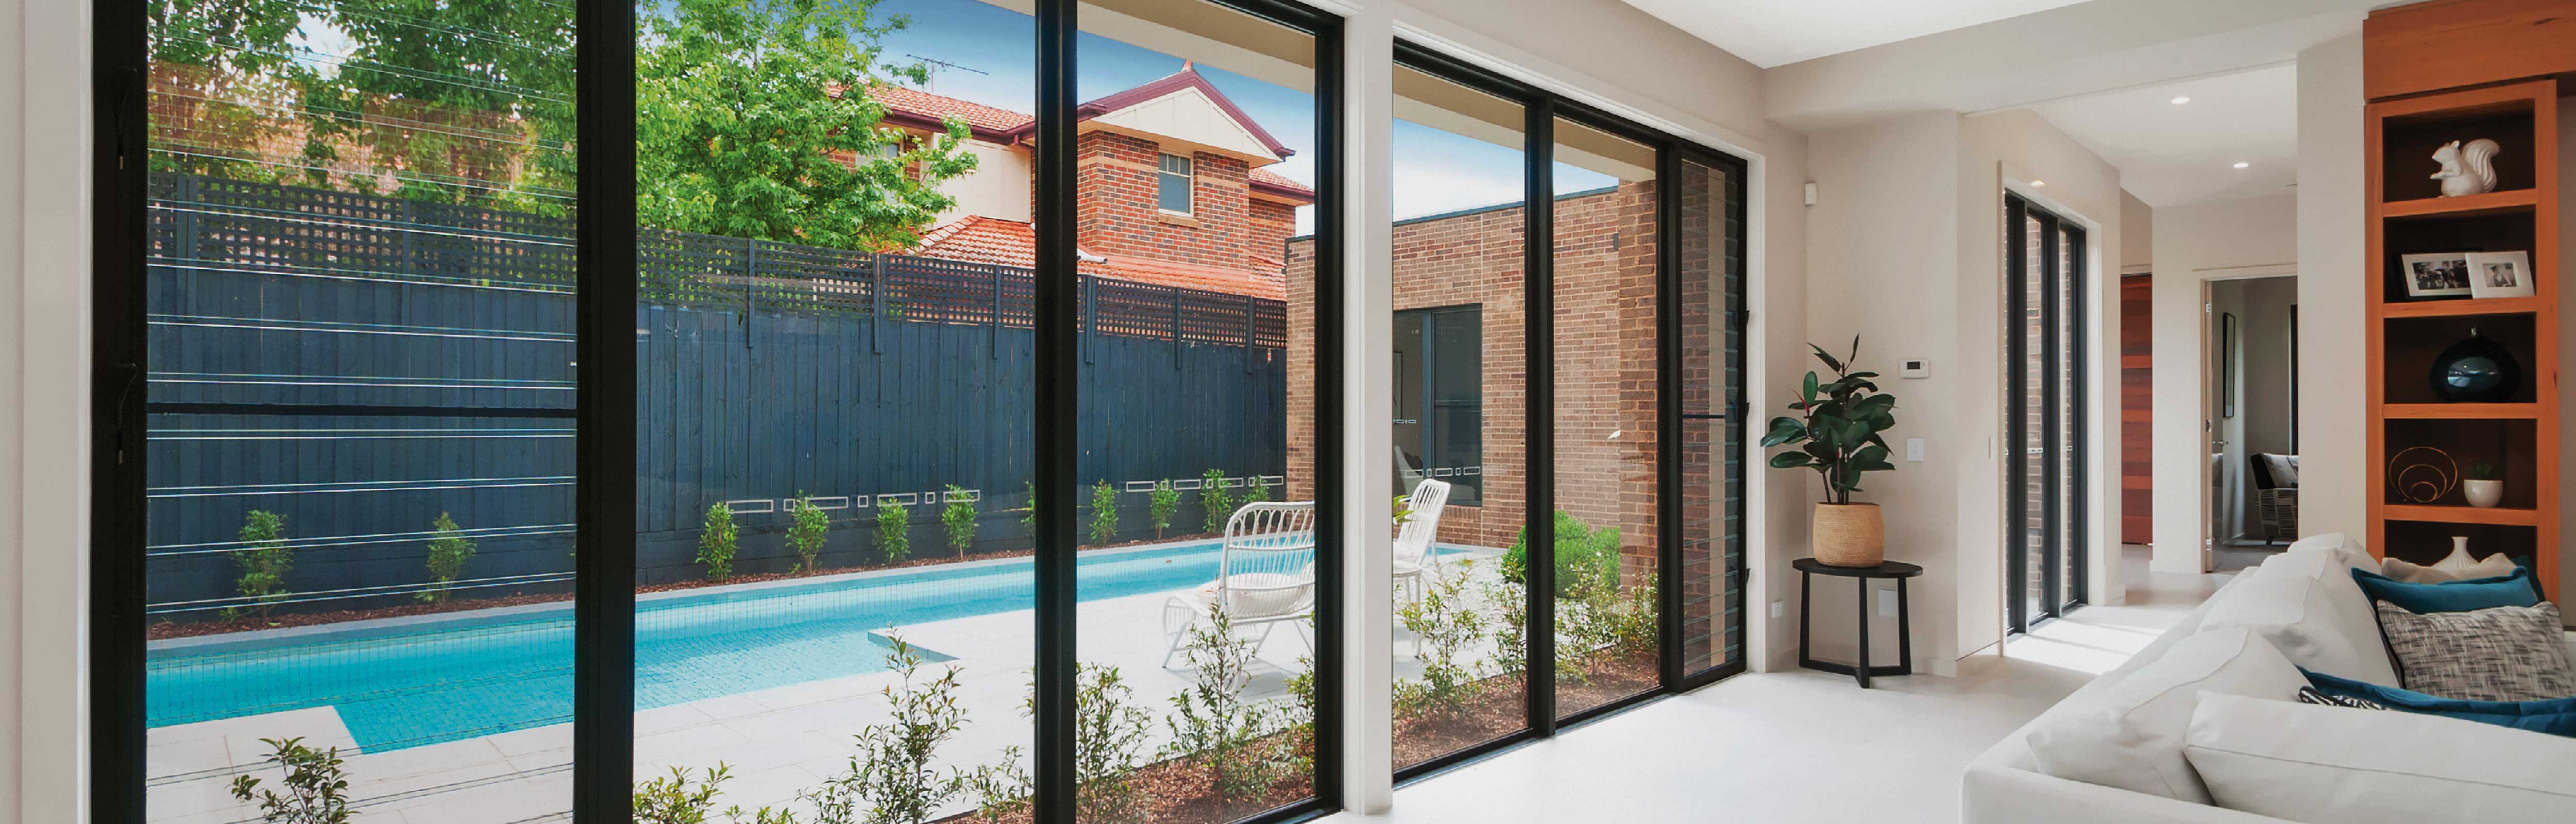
[[1809, 568]]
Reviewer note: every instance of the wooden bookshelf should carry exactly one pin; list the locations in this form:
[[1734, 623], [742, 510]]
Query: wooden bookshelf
[[2407, 217]]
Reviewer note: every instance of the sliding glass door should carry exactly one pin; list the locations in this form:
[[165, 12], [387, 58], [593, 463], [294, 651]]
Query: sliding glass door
[[2044, 278]]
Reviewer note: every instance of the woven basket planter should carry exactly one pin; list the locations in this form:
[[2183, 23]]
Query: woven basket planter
[[1850, 535]]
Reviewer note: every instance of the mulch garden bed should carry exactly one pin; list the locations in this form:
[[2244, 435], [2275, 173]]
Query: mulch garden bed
[[1501, 708], [1181, 792], [219, 626]]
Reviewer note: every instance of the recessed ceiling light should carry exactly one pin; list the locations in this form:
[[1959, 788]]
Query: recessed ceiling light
[[2242, 164], [2181, 100], [2039, 183]]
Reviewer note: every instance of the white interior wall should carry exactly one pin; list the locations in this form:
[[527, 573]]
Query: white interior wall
[[2195, 243], [2330, 222], [2137, 235]]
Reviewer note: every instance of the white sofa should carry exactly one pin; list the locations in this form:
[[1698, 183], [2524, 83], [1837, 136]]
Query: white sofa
[[2005, 785]]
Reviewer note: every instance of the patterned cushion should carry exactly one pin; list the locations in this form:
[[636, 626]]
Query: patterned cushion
[[2312, 695], [2494, 654]]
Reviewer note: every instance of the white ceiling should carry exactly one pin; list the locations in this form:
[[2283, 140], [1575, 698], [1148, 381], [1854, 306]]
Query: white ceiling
[[2170, 155], [1776, 32]]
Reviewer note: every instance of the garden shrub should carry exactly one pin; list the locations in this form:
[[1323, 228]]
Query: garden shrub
[[1029, 516], [957, 520], [1109, 735], [807, 528], [716, 541], [1444, 623], [264, 559], [1256, 490], [894, 531], [890, 780], [1104, 513], [1166, 501], [1511, 628], [677, 799], [314, 785], [1580, 550], [1000, 790], [1218, 502], [1213, 726], [448, 552]]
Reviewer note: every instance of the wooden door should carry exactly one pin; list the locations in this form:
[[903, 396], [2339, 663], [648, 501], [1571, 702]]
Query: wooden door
[[2137, 402]]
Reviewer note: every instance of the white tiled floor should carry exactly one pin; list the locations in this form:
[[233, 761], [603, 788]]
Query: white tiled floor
[[1801, 746]]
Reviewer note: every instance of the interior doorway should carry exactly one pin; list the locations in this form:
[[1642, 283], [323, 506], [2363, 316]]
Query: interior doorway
[[2250, 417]]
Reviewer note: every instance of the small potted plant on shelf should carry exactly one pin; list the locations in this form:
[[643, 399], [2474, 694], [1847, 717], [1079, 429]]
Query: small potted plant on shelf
[[1838, 432], [2483, 488]]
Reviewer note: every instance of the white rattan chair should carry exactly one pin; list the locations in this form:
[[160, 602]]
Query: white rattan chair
[[1265, 576], [1415, 557]]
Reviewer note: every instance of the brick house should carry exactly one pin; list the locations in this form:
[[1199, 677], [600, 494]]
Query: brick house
[[1174, 192]]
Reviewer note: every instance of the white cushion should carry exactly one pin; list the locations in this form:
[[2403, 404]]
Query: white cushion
[[2305, 602], [2130, 736], [2347, 766]]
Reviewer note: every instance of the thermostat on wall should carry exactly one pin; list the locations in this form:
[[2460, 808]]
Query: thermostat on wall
[[1914, 368]]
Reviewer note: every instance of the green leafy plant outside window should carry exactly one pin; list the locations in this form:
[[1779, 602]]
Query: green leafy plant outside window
[[894, 531], [716, 538], [264, 560], [808, 526], [1166, 501], [957, 520], [1218, 502], [1104, 513], [1580, 551], [315, 784], [448, 552]]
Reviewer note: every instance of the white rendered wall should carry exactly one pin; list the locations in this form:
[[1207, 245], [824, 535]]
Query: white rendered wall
[[2195, 243]]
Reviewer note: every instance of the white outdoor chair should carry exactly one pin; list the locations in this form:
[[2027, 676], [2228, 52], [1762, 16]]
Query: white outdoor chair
[[1265, 575], [1414, 555]]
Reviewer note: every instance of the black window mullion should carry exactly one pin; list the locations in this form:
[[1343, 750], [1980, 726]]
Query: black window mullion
[[1668, 417], [1538, 312], [119, 169], [2051, 532], [2016, 427], [1331, 563], [1057, 429], [604, 572]]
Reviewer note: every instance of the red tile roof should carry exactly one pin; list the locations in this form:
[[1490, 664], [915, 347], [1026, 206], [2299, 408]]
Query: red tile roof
[[1268, 179], [994, 241], [905, 100]]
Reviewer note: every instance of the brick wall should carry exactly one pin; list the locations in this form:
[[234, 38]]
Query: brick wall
[[1605, 359], [1119, 179]]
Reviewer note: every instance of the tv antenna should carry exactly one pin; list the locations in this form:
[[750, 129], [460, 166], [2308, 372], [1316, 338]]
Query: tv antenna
[[936, 65]]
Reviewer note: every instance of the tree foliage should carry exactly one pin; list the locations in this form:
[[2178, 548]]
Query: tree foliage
[[448, 552], [747, 109]]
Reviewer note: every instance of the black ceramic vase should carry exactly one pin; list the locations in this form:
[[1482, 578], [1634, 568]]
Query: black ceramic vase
[[2475, 370]]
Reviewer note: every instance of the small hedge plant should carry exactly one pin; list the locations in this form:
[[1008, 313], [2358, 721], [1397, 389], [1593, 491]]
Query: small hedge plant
[[1213, 497], [807, 528], [264, 560], [1104, 513], [1579, 550], [1166, 501], [448, 552], [957, 520], [716, 539], [894, 531]]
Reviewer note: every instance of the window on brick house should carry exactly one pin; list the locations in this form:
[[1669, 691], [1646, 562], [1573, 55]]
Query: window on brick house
[[1439, 399], [1173, 188]]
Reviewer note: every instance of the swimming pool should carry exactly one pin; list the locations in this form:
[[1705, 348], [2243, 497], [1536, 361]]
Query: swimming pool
[[455, 678]]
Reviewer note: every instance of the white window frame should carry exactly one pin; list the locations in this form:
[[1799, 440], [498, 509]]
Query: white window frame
[[1187, 173]]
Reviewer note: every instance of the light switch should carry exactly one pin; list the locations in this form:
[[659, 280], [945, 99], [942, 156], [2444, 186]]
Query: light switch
[[1914, 368], [1914, 449]]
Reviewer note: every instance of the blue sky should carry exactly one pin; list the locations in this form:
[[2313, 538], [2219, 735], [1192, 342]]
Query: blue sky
[[1435, 171]]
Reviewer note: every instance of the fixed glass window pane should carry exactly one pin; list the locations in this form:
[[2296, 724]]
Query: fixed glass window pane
[[360, 444], [1198, 571], [1710, 285], [1607, 486], [1460, 658], [835, 407]]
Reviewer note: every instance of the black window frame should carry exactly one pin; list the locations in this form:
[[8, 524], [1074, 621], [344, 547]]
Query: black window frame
[[1427, 403], [2060, 547], [604, 600], [1542, 109]]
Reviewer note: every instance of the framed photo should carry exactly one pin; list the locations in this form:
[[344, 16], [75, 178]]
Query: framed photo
[[2500, 275], [2438, 274]]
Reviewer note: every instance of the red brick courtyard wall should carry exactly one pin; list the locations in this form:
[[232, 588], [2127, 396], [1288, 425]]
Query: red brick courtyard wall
[[1605, 368]]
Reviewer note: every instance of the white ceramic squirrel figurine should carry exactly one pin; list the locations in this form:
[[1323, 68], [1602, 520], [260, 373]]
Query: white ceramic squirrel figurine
[[2466, 170]]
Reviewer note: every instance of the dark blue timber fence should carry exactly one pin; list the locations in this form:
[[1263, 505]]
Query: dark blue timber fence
[[360, 364]]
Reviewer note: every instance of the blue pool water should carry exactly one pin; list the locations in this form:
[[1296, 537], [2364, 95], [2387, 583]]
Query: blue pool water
[[473, 677]]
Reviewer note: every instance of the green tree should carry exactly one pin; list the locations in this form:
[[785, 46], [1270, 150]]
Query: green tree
[[807, 528], [264, 559], [894, 531], [1166, 501], [716, 541], [742, 107], [448, 552], [1213, 498], [315, 785], [957, 520], [1104, 513]]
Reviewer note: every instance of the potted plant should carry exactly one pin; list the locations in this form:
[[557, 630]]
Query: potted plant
[[2483, 488], [1837, 431]]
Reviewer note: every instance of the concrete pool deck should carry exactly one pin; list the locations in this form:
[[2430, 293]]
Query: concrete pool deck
[[776, 741]]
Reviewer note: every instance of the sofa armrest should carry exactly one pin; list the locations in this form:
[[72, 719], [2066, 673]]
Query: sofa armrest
[[1992, 794]]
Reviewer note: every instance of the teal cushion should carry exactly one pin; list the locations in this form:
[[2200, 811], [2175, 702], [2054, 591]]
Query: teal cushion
[[2555, 716], [2516, 589]]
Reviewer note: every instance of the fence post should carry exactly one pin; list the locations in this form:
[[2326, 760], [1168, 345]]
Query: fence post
[[1090, 314], [876, 301], [1248, 306], [997, 310], [750, 279], [1177, 297]]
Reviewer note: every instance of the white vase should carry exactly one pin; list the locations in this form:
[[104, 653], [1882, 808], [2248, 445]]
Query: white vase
[[2459, 558], [2482, 494]]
